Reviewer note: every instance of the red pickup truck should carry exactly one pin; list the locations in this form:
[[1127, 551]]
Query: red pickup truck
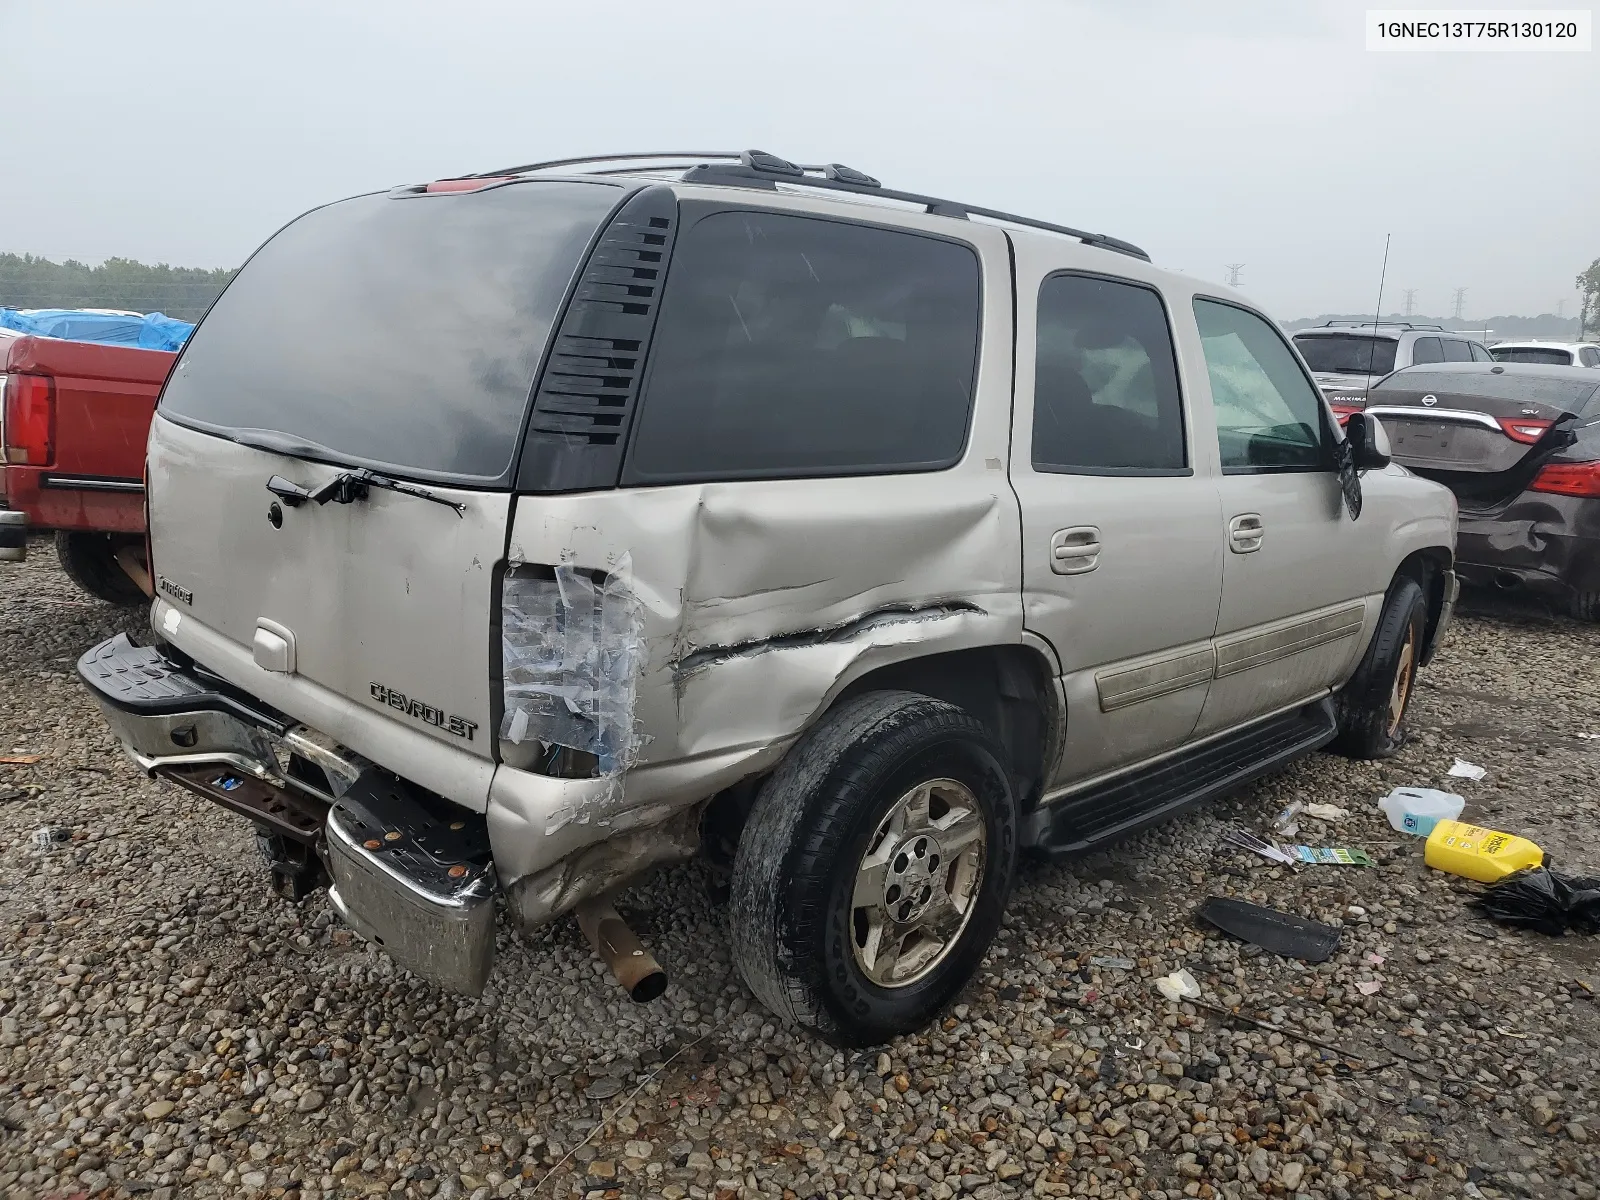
[[73, 425]]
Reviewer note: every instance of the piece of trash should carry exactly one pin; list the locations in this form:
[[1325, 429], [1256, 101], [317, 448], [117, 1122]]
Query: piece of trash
[[50, 835], [21, 760], [1180, 985], [1280, 933], [1473, 852], [1243, 839], [1462, 769], [1368, 987], [1375, 960], [1112, 961], [1285, 823], [1589, 736], [227, 783], [1545, 900], [836, 1132], [1417, 810], [1326, 812], [1340, 855]]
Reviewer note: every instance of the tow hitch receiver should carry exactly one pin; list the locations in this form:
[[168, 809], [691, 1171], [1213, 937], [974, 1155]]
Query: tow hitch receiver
[[416, 882]]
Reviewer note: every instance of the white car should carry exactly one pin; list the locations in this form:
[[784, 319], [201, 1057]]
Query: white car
[[1552, 354]]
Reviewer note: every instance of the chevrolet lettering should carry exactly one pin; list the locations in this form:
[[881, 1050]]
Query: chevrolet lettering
[[412, 707]]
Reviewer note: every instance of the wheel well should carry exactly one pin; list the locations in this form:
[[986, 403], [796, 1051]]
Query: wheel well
[[1428, 568], [1005, 687]]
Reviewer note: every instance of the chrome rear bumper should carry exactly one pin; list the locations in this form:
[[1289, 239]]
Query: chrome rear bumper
[[410, 876]]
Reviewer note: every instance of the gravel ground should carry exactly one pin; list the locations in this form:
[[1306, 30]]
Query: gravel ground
[[170, 1028]]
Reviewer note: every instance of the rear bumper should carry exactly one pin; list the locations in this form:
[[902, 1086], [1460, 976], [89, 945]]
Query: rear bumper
[[13, 535], [1545, 546], [411, 876]]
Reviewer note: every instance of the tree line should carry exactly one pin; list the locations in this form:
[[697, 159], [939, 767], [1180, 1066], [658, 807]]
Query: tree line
[[27, 281]]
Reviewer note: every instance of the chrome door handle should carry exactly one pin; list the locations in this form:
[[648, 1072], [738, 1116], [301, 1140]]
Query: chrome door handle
[[1245, 533], [1075, 551]]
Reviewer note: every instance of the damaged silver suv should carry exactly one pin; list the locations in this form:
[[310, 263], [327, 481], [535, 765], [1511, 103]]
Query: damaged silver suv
[[514, 534]]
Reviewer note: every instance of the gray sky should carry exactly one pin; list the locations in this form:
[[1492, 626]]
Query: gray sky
[[1214, 132]]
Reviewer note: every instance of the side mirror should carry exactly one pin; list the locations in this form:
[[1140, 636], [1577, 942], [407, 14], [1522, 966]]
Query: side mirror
[[1369, 444]]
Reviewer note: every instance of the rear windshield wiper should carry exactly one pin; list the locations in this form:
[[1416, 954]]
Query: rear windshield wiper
[[349, 486]]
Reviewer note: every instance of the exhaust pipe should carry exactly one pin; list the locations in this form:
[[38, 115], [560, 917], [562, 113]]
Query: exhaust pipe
[[634, 967]]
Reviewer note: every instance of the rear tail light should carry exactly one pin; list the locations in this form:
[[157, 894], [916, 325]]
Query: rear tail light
[[28, 426], [1526, 430], [1344, 411], [1569, 479]]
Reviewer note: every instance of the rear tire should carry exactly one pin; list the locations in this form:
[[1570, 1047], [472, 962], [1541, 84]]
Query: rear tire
[[90, 561], [1374, 704], [874, 868], [1585, 606]]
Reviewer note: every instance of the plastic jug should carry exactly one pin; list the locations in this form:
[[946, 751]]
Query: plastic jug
[[1418, 810], [1474, 852]]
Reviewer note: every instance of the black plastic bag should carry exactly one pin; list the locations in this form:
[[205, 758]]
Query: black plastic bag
[[1546, 900]]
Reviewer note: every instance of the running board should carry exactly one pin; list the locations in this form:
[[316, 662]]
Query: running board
[[1129, 803]]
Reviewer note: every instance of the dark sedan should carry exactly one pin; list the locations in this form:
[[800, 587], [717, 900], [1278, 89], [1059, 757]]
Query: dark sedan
[[1519, 445]]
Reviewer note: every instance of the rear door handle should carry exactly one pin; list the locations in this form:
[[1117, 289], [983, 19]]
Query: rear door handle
[[1245, 533], [1075, 551]]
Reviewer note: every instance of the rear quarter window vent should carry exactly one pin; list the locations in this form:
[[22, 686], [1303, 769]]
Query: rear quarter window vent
[[587, 392]]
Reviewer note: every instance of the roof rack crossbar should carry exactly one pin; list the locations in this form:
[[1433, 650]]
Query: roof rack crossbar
[[1354, 324]]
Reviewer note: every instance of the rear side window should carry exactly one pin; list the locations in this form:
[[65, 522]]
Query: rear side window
[[1427, 350], [1589, 356], [400, 332], [1269, 417], [1479, 353], [800, 346], [1456, 350], [1105, 393]]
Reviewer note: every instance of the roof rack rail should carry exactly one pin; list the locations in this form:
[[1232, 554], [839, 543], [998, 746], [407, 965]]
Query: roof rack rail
[[756, 168], [1353, 324]]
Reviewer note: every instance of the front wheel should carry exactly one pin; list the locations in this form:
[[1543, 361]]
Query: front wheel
[[874, 868], [1374, 704]]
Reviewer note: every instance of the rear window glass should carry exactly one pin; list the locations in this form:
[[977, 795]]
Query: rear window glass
[[1347, 354], [792, 346], [1427, 350], [401, 333], [1456, 350], [1548, 355]]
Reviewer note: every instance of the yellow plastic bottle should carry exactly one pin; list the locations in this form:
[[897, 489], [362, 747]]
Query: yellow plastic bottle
[[1474, 852]]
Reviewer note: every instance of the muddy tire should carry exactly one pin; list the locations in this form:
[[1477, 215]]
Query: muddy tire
[[90, 561], [874, 868], [1374, 704], [1585, 606]]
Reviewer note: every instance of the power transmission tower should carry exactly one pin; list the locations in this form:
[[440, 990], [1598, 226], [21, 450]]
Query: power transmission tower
[[1461, 301], [1561, 309], [1233, 273], [1411, 300]]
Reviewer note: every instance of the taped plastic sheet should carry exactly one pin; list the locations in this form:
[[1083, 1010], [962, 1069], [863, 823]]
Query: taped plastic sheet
[[573, 651], [152, 331]]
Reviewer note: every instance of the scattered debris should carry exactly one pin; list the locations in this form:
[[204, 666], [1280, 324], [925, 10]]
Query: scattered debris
[[1545, 900], [1417, 810], [1375, 960], [1589, 736], [1270, 1027], [1340, 855], [1280, 933], [1243, 839], [1287, 823], [1326, 812], [8, 794], [1180, 985], [1462, 769], [21, 760], [1112, 962], [1473, 852], [50, 835], [1369, 987]]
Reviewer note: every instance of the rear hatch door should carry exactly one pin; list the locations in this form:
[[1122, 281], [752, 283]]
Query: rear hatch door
[[1482, 431], [397, 333]]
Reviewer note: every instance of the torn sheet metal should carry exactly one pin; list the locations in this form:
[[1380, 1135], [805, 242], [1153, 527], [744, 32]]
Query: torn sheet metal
[[573, 651]]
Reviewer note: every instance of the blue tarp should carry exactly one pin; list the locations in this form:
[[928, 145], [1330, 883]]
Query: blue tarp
[[151, 332]]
